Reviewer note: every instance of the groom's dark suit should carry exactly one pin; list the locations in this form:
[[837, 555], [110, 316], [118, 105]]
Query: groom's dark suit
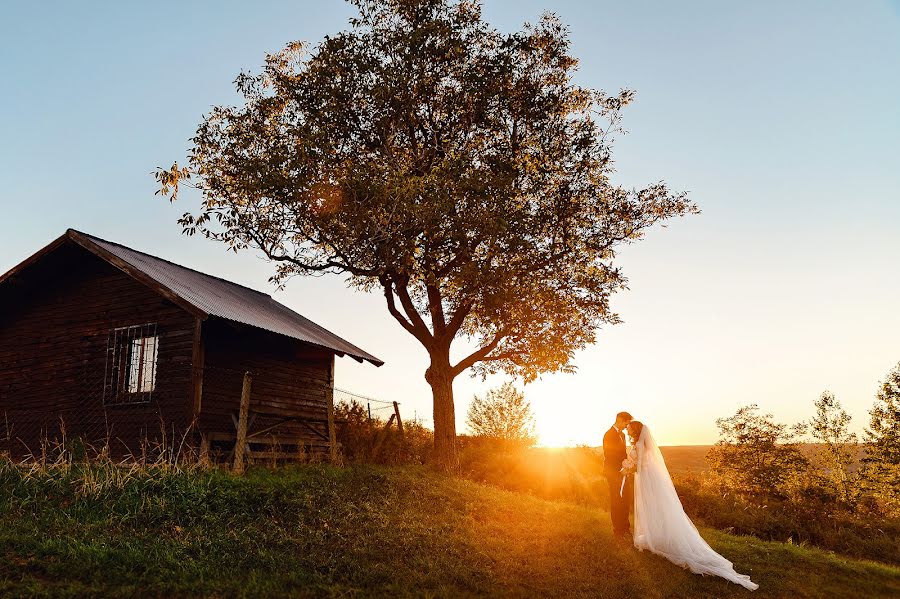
[[614, 453]]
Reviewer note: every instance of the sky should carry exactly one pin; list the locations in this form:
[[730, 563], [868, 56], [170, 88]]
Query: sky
[[781, 119]]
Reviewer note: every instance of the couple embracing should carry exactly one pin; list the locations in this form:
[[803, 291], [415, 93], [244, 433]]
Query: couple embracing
[[638, 477]]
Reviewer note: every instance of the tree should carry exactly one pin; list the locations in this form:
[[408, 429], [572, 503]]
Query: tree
[[503, 413], [882, 461], [838, 446], [756, 455], [458, 170]]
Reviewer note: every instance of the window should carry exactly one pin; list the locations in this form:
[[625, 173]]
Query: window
[[142, 365], [131, 357]]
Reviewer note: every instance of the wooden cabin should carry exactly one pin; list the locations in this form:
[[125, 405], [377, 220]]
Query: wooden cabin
[[120, 349]]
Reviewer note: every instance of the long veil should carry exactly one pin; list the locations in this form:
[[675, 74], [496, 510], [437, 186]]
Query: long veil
[[660, 524]]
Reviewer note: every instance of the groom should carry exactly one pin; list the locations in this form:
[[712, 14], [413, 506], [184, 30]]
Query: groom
[[614, 453]]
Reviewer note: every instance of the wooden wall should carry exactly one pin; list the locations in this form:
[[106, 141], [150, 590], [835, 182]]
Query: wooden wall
[[55, 318], [287, 375]]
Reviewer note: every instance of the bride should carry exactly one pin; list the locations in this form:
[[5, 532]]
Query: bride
[[660, 523]]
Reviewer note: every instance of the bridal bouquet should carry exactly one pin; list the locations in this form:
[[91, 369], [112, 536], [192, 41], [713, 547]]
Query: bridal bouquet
[[629, 466]]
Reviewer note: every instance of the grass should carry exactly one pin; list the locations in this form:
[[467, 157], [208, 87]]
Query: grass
[[359, 531]]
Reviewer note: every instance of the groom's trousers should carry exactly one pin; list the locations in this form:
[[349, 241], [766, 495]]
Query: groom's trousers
[[619, 505]]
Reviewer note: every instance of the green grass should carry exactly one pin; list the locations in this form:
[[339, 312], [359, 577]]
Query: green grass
[[361, 531]]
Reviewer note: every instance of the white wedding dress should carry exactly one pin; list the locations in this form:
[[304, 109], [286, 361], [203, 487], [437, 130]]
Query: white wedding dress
[[660, 524]]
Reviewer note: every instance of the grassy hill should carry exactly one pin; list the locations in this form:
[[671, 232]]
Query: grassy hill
[[322, 531]]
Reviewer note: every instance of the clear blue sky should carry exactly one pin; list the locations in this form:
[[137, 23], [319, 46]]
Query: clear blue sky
[[781, 118]]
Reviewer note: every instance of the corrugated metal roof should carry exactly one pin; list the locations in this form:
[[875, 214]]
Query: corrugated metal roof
[[217, 297]]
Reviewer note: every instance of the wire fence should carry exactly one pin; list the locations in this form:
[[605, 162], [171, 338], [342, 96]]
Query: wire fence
[[375, 407]]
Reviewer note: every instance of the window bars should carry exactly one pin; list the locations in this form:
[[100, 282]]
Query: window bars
[[131, 356]]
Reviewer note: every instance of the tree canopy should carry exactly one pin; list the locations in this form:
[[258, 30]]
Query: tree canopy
[[460, 171]]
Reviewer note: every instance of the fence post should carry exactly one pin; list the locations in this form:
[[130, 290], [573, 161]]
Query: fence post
[[204, 449], [332, 434], [240, 444], [399, 422]]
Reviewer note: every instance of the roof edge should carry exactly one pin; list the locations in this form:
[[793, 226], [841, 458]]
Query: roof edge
[[35, 257], [373, 360], [88, 244]]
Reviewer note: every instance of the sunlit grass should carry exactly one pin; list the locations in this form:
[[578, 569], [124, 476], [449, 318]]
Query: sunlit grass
[[324, 531]]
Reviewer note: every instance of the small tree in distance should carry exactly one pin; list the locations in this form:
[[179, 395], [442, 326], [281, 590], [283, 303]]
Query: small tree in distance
[[882, 461], [755, 455], [838, 451], [459, 171], [503, 413]]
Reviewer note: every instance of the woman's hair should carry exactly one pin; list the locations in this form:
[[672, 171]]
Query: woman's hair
[[634, 429]]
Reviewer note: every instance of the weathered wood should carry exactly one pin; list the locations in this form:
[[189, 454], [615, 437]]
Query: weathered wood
[[397, 414], [273, 455], [241, 443], [273, 439], [290, 380], [309, 427], [382, 435], [269, 428], [204, 449], [135, 273], [56, 314], [329, 399], [197, 366]]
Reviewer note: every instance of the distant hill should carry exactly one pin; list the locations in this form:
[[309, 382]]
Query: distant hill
[[692, 458], [681, 459]]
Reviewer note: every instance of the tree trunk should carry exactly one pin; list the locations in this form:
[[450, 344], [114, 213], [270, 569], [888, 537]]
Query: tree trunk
[[440, 376]]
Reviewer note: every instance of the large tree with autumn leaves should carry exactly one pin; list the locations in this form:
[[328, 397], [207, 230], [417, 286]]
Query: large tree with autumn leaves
[[458, 170]]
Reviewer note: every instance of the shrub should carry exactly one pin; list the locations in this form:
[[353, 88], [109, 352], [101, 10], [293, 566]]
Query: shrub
[[369, 440], [807, 519], [503, 413]]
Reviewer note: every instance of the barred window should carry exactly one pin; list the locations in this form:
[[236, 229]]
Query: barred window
[[131, 357]]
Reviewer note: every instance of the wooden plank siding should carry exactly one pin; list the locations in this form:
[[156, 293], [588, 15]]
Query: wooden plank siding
[[289, 377], [55, 320]]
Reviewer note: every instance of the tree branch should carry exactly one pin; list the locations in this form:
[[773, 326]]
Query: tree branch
[[328, 264], [480, 354], [438, 322], [458, 318], [398, 316], [410, 309]]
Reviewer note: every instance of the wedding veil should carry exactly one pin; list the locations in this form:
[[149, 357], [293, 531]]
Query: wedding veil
[[660, 523]]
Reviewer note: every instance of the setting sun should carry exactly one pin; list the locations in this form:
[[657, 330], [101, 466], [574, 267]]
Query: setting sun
[[555, 430]]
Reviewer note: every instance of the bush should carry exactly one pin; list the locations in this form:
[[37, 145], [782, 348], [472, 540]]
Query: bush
[[761, 484], [368, 440], [808, 519]]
